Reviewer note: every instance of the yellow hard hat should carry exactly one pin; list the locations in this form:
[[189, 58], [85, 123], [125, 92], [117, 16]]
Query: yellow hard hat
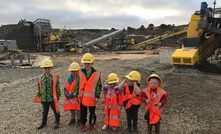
[[74, 67], [134, 76], [47, 63], [155, 76], [87, 58], [112, 78]]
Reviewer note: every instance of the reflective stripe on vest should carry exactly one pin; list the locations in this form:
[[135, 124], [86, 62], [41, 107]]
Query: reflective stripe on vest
[[112, 117], [109, 93], [71, 101], [54, 81], [80, 76], [114, 107]]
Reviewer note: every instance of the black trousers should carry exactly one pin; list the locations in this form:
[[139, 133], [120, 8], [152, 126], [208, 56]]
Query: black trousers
[[46, 106], [132, 115], [92, 117]]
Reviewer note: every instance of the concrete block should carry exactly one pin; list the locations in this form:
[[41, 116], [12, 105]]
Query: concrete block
[[166, 55]]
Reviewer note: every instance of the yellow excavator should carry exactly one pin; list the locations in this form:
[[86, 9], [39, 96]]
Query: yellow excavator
[[203, 37]]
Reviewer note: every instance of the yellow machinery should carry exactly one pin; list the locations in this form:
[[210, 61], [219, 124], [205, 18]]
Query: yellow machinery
[[203, 38], [59, 40], [142, 45]]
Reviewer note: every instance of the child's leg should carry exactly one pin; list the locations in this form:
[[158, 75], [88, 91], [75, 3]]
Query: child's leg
[[57, 115], [72, 114], [135, 117], [45, 106], [157, 127], [150, 129], [129, 118], [45, 112], [83, 114], [78, 115], [92, 116], [72, 121]]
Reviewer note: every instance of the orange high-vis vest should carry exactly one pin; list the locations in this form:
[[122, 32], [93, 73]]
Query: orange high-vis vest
[[87, 94], [54, 81], [112, 108], [154, 98], [133, 99], [71, 103]]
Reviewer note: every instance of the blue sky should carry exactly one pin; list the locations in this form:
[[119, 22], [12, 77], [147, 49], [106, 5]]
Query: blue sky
[[101, 14]]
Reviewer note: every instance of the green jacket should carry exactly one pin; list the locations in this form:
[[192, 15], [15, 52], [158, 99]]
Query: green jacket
[[47, 89]]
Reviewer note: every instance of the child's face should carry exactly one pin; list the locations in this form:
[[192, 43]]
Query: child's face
[[154, 83], [129, 82], [88, 66], [47, 70], [112, 85], [74, 73]]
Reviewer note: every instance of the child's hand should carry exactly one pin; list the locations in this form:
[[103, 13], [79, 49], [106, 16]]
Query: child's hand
[[105, 88], [135, 85], [117, 90], [147, 101], [159, 105], [136, 89], [96, 100]]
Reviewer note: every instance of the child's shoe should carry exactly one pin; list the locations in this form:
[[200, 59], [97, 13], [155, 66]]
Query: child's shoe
[[91, 127], [83, 127], [114, 128], [104, 127]]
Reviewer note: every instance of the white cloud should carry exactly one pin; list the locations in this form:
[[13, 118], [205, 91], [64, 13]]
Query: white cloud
[[147, 14], [100, 13]]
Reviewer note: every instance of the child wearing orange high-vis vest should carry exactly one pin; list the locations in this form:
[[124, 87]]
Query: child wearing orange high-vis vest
[[112, 102], [89, 92], [71, 90], [48, 93], [155, 98], [131, 100]]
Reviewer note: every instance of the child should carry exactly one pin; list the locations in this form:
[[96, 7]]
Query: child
[[131, 100], [90, 94], [48, 93], [154, 97], [113, 102], [71, 88]]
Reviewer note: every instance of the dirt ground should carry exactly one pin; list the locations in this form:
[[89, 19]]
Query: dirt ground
[[193, 104]]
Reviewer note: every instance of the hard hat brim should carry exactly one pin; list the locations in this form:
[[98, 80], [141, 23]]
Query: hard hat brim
[[43, 66], [127, 76], [112, 82], [73, 69], [87, 61]]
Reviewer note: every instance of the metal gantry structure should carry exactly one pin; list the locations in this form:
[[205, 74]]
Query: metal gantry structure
[[42, 30]]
